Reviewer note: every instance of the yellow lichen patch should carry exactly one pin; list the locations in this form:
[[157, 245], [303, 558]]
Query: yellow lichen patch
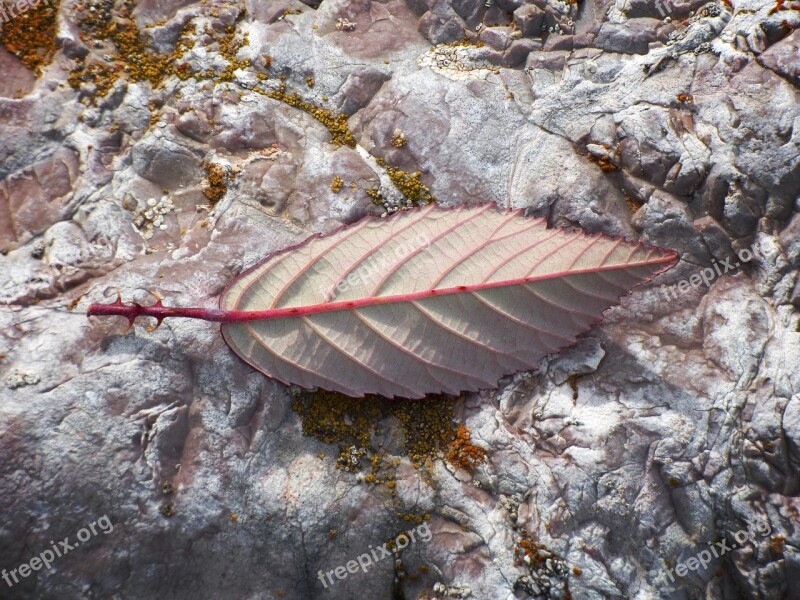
[[337, 184], [99, 76], [413, 518], [349, 458], [229, 46], [216, 182], [398, 138], [467, 41], [332, 418], [411, 186], [310, 82], [428, 427], [139, 63], [100, 24], [463, 453], [632, 203], [336, 124], [31, 35]]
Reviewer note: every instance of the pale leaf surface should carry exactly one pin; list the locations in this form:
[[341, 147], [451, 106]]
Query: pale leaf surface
[[429, 300]]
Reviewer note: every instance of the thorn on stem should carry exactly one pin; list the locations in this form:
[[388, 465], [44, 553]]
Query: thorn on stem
[[157, 297], [130, 325], [151, 329]]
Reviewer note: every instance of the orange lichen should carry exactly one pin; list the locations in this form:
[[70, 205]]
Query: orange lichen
[[535, 556], [100, 24], [781, 5], [30, 35], [604, 162], [530, 552], [463, 453], [216, 182], [776, 544], [633, 203]]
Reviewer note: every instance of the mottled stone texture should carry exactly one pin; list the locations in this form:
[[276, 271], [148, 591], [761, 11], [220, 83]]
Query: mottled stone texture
[[672, 425]]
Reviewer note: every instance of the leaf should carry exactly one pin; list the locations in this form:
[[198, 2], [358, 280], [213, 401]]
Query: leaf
[[428, 300]]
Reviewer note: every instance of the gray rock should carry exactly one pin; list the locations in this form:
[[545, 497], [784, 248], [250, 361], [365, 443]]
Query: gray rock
[[790, 240], [164, 162], [498, 38], [672, 424], [529, 19], [784, 58], [634, 36]]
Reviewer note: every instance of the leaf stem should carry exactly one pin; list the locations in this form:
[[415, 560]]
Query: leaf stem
[[158, 311]]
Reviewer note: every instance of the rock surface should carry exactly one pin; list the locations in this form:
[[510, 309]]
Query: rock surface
[[160, 145]]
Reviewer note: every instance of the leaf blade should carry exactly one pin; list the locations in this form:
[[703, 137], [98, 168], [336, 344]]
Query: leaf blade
[[429, 300]]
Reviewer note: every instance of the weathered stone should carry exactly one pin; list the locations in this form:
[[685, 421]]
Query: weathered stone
[[37, 197], [634, 36], [529, 19], [790, 240], [164, 162], [714, 237], [784, 58], [498, 38], [672, 424]]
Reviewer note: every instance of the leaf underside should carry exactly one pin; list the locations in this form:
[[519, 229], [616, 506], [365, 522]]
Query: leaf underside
[[429, 300]]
